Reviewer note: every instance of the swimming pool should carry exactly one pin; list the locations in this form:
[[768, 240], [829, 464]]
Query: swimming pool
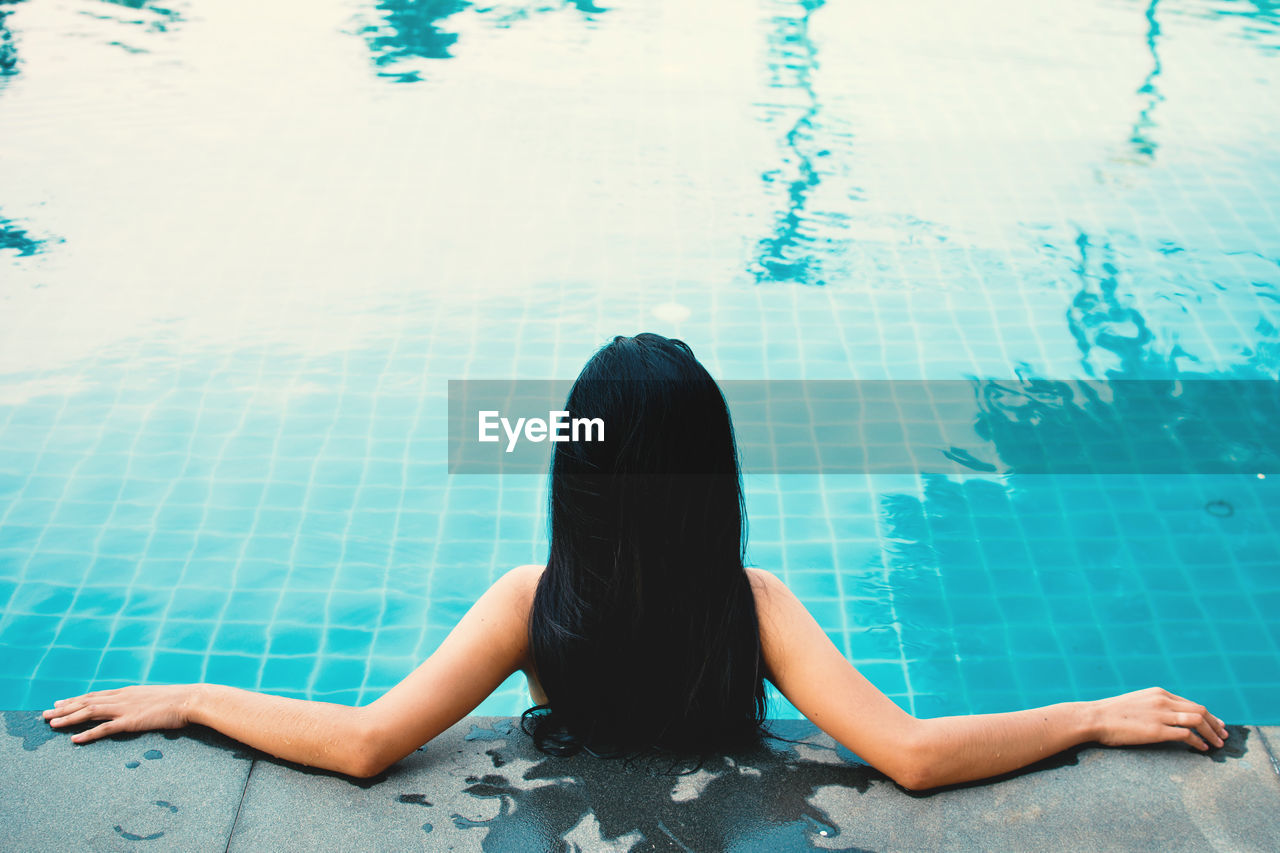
[[243, 249]]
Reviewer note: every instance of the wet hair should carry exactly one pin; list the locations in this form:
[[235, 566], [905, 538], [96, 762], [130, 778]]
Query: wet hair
[[643, 628]]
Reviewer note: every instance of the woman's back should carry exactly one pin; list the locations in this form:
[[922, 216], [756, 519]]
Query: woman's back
[[528, 576], [643, 629]]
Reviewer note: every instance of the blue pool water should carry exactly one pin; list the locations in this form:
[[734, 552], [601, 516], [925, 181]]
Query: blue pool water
[[244, 248]]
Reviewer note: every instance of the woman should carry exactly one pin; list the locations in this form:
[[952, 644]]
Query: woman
[[644, 630]]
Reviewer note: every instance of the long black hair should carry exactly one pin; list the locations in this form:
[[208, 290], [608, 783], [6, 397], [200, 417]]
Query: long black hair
[[643, 628]]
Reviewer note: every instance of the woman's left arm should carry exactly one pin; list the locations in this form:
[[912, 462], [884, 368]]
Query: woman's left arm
[[483, 650]]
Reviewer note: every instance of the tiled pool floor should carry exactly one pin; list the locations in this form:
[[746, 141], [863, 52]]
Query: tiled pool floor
[[284, 522], [227, 321]]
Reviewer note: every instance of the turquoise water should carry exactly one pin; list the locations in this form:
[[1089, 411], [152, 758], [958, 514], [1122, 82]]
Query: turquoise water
[[243, 250]]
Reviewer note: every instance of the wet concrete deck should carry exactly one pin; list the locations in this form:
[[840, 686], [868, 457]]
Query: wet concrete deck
[[482, 786]]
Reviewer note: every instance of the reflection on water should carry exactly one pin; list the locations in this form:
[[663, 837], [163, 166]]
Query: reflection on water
[[407, 30], [1111, 334], [1035, 589], [1264, 356], [1030, 589], [807, 244], [8, 45], [156, 17], [1154, 426], [411, 29], [15, 238], [1140, 137], [1259, 19], [272, 267]]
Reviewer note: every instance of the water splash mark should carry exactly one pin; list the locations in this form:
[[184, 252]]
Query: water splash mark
[[149, 755], [416, 799], [133, 836], [130, 836], [754, 800], [1235, 746], [29, 726]]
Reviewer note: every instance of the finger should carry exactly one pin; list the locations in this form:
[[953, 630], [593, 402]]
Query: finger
[[66, 706], [63, 707], [1196, 721], [1197, 717], [1183, 704], [110, 727], [69, 702], [1185, 735], [83, 697], [69, 706], [1200, 726], [89, 712]]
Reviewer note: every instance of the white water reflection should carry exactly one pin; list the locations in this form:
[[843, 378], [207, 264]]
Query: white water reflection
[[228, 171]]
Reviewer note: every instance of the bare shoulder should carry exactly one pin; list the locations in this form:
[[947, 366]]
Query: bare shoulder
[[523, 583], [766, 586], [526, 574], [519, 584], [771, 598], [774, 600], [508, 600]]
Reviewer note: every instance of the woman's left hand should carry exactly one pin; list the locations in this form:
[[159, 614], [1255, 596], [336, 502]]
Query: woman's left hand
[[127, 709]]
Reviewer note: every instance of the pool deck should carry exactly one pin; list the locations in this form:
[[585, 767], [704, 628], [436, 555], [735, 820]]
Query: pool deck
[[482, 786]]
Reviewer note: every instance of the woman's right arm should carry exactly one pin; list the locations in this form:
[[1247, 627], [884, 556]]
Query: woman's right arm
[[484, 648], [807, 668]]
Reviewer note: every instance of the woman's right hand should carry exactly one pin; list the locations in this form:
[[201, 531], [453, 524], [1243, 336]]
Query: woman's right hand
[[1155, 715]]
